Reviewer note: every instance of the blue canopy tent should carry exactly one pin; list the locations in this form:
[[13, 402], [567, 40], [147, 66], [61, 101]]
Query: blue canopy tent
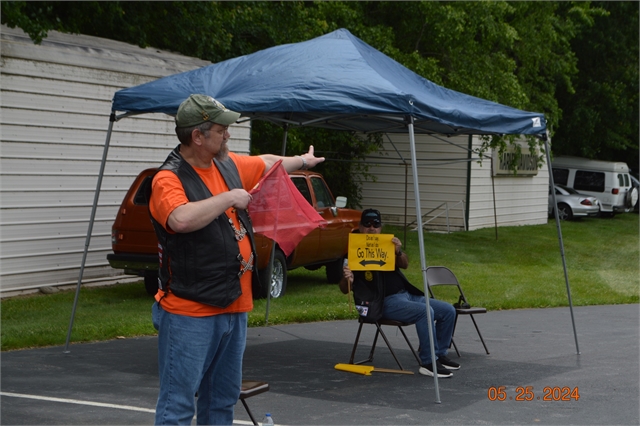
[[335, 81]]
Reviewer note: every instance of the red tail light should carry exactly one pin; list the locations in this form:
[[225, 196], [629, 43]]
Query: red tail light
[[586, 203], [116, 236], [614, 191]]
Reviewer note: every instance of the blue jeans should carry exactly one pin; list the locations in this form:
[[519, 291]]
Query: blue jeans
[[203, 355], [410, 308]]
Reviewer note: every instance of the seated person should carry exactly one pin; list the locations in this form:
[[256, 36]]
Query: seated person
[[404, 302]]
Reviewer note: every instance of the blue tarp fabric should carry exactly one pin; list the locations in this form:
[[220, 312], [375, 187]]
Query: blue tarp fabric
[[335, 81]]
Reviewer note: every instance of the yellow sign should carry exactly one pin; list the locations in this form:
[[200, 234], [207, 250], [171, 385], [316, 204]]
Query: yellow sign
[[371, 252]]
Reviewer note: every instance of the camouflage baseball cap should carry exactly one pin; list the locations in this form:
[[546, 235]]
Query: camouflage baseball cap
[[197, 109]]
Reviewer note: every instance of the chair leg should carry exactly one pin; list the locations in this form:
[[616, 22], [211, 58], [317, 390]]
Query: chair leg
[[355, 344], [355, 347], [373, 346], [415, 354], [246, 407], [455, 324], [455, 347], [380, 332], [479, 334], [388, 345]]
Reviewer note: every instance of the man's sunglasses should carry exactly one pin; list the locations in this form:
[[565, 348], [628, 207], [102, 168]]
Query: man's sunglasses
[[372, 223]]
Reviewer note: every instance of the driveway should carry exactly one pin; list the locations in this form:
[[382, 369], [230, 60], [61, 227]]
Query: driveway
[[115, 382]]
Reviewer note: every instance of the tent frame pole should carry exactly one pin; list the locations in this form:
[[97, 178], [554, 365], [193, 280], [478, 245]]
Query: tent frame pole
[[423, 259], [112, 119], [273, 245], [406, 183], [559, 230], [493, 191]]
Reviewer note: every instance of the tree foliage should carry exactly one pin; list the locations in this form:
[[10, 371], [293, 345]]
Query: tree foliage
[[577, 62], [600, 117]]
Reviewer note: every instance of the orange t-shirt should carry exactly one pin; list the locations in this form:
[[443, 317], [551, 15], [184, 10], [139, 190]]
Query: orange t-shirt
[[168, 194]]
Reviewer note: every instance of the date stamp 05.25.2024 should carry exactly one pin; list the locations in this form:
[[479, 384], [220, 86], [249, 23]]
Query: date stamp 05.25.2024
[[527, 393]]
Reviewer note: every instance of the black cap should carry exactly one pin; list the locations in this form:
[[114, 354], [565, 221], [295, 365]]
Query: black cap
[[370, 216]]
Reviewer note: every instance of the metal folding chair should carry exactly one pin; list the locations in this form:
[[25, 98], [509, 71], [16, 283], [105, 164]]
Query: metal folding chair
[[440, 276], [250, 388], [380, 332]]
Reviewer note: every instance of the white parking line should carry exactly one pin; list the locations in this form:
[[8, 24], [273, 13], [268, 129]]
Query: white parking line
[[94, 404], [77, 401]]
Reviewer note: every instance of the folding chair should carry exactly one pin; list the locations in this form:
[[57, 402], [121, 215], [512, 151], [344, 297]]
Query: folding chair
[[250, 388], [439, 276], [380, 332]]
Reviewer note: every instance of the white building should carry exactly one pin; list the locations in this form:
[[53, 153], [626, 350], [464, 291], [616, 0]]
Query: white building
[[453, 182], [55, 107]]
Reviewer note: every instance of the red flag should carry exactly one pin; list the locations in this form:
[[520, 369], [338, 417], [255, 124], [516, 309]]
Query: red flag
[[278, 210]]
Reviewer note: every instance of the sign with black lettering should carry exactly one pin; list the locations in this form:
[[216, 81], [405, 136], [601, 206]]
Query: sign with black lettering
[[371, 252], [526, 163]]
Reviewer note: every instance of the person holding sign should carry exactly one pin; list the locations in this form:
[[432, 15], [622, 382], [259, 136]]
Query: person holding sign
[[402, 301]]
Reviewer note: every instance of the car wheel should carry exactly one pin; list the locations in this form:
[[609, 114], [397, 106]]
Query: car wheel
[[151, 281], [334, 271], [632, 198], [564, 212], [277, 282]]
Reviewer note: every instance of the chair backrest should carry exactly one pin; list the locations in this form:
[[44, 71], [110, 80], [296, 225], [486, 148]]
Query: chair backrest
[[440, 275]]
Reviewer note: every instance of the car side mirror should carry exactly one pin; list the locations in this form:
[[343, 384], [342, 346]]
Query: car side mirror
[[341, 202]]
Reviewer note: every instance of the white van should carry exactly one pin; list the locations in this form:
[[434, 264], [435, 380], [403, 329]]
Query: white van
[[608, 181]]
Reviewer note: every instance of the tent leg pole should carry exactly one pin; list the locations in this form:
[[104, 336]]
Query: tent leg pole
[[406, 172], [284, 139], [423, 260], [493, 189], [269, 274], [273, 246], [112, 119], [406, 184], [564, 261]]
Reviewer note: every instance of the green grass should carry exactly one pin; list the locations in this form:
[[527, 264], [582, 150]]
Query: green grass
[[521, 269]]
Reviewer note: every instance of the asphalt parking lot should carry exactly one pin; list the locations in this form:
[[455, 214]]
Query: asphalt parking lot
[[115, 382]]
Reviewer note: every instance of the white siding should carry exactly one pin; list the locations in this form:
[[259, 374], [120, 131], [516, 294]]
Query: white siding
[[54, 114], [442, 170], [518, 200], [442, 173]]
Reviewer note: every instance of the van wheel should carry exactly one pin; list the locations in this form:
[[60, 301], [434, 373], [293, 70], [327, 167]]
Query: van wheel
[[151, 282], [608, 215], [277, 282], [564, 212], [631, 198], [334, 271]]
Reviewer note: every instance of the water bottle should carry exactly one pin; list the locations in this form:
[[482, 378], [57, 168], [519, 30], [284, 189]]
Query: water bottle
[[268, 420]]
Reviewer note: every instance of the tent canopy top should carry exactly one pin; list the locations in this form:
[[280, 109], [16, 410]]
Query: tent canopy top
[[334, 81]]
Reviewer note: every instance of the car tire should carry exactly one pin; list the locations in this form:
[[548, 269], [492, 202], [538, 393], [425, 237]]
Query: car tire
[[151, 282], [277, 282], [631, 198], [564, 212], [334, 271]]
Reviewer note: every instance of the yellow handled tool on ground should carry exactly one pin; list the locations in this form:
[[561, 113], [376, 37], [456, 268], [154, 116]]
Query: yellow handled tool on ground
[[367, 369]]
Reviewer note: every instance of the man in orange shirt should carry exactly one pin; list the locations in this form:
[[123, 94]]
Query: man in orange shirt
[[198, 207]]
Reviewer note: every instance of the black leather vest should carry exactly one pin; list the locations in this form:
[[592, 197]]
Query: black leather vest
[[203, 265], [368, 281]]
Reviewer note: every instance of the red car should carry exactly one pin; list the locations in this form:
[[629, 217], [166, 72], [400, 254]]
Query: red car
[[135, 246]]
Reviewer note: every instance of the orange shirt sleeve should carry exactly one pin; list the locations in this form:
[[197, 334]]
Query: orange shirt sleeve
[[167, 194]]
